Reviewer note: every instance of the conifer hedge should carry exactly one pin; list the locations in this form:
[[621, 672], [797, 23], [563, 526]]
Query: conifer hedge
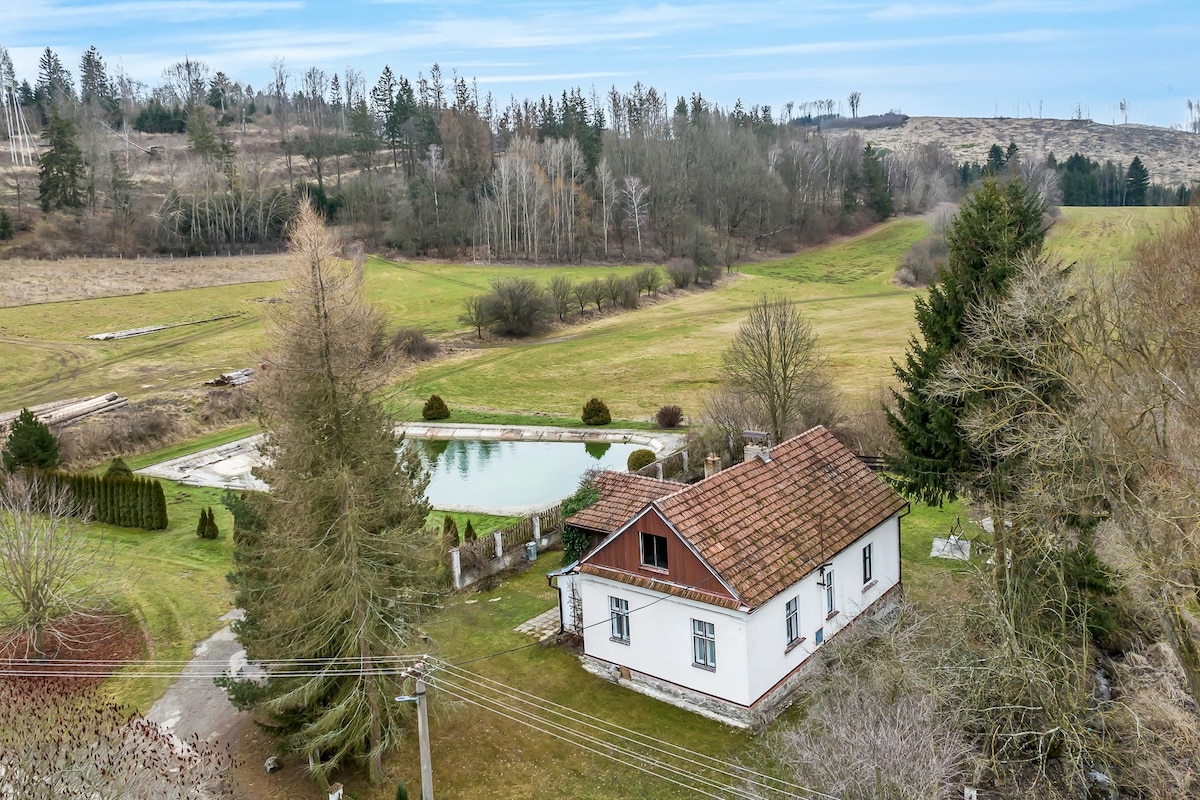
[[135, 502]]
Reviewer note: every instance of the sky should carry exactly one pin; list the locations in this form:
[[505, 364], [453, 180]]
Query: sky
[[981, 58]]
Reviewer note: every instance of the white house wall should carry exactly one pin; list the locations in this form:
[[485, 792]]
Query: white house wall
[[767, 626], [660, 638]]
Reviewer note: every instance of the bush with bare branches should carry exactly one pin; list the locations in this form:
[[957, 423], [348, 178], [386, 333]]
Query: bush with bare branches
[[104, 754]]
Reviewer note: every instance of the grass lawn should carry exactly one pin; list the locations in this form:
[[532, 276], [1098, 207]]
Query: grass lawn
[[1103, 238], [636, 361], [172, 582]]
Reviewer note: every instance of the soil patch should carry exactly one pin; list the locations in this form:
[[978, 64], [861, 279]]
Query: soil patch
[[82, 652]]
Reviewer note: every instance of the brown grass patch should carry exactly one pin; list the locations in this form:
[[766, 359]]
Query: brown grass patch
[[26, 281]]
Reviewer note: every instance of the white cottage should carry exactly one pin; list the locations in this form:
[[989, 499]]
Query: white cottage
[[713, 596]]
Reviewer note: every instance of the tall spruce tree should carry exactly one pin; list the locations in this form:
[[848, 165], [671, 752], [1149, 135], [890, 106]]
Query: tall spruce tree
[[343, 567], [994, 229], [60, 173], [30, 443], [1137, 182]]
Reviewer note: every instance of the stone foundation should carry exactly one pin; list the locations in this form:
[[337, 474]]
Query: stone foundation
[[754, 717]]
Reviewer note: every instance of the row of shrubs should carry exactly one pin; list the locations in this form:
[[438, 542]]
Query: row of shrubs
[[117, 498], [522, 306], [595, 412]]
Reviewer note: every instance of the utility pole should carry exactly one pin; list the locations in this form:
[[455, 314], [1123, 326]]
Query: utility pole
[[418, 696]]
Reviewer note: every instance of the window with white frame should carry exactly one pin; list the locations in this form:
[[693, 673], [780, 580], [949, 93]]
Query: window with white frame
[[654, 551], [867, 567], [792, 615], [618, 618], [704, 644], [830, 597]]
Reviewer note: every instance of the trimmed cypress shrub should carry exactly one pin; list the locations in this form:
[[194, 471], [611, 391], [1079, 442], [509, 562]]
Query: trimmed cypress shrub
[[469, 535], [118, 469], [435, 408], [449, 533], [595, 412]]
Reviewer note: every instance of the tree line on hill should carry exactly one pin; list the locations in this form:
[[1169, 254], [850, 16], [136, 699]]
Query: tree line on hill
[[1082, 181], [429, 167]]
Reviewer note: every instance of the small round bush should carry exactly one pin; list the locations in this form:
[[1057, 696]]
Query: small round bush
[[596, 413], [435, 408], [669, 417], [640, 458]]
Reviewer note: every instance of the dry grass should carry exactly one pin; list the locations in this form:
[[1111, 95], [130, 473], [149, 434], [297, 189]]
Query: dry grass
[[1173, 157], [26, 281]]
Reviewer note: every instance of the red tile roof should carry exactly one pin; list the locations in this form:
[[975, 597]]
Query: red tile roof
[[765, 525], [622, 494]]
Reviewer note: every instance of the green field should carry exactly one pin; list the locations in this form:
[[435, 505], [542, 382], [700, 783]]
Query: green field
[[666, 352], [663, 353]]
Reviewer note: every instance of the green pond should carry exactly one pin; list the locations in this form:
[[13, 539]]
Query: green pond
[[484, 474]]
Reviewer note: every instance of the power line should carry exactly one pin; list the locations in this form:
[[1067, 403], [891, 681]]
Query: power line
[[620, 755], [607, 728]]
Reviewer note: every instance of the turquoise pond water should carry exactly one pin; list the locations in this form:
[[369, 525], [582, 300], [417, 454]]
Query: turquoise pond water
[[508, 475]]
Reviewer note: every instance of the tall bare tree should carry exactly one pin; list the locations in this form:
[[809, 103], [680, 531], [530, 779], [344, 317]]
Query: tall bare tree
[[775, 359], [343, 568]]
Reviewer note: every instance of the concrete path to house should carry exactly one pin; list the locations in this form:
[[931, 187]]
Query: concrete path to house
[[194, 705]]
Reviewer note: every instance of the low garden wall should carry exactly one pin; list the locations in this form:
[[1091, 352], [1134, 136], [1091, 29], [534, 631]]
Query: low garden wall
[[497, 551]]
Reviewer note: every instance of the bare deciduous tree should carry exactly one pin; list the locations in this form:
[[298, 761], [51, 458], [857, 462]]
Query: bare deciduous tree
[[775, 359], [49, 569], [635, 193]]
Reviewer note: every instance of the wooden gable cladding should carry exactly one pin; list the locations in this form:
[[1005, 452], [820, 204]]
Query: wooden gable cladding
[[623, 554]]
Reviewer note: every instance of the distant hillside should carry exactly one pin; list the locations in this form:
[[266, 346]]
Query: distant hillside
[[1172, 156]]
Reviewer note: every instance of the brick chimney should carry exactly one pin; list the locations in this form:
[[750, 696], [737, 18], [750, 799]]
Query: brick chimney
[[712, 465]]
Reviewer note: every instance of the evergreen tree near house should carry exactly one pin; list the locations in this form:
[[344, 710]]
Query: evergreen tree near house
[[61, 171], [344, 511], [994, 229], [30, 444]]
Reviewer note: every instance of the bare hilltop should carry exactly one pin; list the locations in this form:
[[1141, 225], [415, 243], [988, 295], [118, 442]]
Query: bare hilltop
[[1172, 156]]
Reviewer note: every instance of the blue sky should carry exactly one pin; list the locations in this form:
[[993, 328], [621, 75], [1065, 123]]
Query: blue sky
[[942, 57]]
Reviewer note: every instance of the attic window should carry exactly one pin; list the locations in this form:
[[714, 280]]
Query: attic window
[[654, 551]]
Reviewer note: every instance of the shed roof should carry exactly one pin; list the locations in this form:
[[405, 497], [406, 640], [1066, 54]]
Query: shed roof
[[622, 494]]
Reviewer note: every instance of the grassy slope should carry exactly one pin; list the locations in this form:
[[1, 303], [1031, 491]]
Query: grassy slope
[[637, 361], [863, 319], [669, 352]]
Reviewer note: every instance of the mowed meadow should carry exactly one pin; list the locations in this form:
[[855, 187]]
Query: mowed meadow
[[667, 351]]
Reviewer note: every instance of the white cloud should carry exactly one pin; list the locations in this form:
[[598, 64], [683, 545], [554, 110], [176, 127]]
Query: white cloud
[[1031, 36]]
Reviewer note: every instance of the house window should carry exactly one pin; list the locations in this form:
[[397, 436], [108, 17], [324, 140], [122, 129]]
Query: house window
[[618, 618], [654, 551], [830, 604], [792, 614], [867, 564], [704, 645]]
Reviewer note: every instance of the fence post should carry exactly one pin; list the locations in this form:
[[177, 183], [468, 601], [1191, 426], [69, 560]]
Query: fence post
[[685, 464], [456, 566], [537, 528], [658, 470], [499, 537]]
